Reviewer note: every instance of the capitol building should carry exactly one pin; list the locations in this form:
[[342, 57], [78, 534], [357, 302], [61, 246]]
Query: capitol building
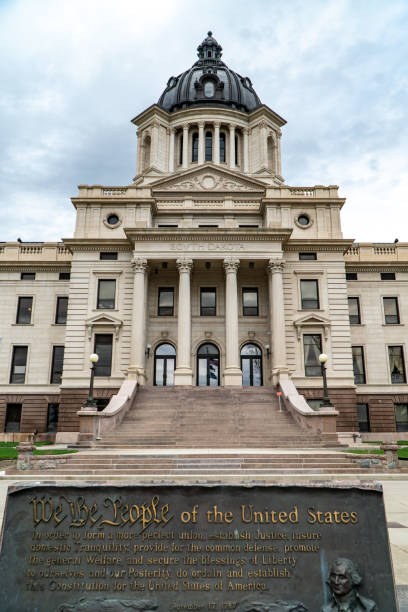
[[206, 270]]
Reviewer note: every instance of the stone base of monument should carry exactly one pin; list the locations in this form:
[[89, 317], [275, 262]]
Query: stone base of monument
[[249, 548], [25, 452]]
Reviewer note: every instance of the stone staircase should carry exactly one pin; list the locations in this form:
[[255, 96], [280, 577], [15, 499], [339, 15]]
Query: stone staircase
[[203, 417]]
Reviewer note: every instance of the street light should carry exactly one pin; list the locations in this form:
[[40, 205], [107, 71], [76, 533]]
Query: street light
[[326, 402], [90, 402]]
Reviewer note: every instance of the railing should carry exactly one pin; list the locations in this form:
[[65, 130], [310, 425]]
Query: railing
[[114, 191], [354, 250], [304, 192], [384, 250], [31, 250], [321, 421]]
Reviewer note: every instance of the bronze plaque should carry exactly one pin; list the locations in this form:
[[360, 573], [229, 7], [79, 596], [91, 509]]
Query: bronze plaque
[[178, 548]]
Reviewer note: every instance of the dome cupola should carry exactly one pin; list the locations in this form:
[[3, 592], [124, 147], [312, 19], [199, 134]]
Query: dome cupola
[[209, 82]]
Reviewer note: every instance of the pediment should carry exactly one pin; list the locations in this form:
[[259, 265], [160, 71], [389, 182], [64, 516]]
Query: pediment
[[312, 319], [208, 178], [103, 320]]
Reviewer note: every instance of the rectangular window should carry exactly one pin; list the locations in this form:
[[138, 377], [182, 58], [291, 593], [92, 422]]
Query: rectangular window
[[397, 365], [27, 276], [309, 292], [61, 311], [244, 225], [208, 302], [13, 418], [363, 417], [64, 276], [354, 310], [103, 348], [387, 275], [24, 310], [358, 365], [166, 302], [250, 302], [312, 348], [18, 365], [207, 225], [106, 294], [108, 256], [307, 256], [52, 417], [391, 311], [167, 225], [57, 364], [351, 276], [401, 417]]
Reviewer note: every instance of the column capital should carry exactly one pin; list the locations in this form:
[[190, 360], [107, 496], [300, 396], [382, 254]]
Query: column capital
[[139, 264], [184, 264], [201, 124], [231, 127], [185, 127], [217, 124], [231, 265], [276, 266]]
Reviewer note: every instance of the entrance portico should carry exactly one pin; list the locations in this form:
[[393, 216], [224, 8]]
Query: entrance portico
[[234, 260]]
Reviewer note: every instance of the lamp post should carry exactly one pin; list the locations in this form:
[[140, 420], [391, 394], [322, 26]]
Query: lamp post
[[326, 402], [90, 402]]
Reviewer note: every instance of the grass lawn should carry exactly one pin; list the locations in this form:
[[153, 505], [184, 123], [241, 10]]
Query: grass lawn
[[10, 452], [402, 453]]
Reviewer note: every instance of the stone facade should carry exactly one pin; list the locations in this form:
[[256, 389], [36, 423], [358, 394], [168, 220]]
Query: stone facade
[[207, 217]]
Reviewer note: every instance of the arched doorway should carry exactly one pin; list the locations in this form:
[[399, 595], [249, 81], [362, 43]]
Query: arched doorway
[[164, 365], [208, 366], [251, 365]]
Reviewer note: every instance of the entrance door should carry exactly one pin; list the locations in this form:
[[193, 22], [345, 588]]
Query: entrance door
[[208, 366], [251, 365], [164, 365], [13, 418]]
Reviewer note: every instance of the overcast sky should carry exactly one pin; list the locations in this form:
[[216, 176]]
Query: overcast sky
[[74, 72]]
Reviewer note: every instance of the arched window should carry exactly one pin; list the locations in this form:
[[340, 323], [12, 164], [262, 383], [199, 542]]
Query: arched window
[[164, 365], [181, 149], [194, 151], [209, 89], [271, 154], [222, 146], [208, 146], [208, 365], [251, 365], [146, 152]]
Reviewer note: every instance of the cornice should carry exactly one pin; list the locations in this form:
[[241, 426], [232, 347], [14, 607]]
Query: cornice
[[304, 201], [8, 266], [96, 244], [310, 246], [211, 235], [376, 267]]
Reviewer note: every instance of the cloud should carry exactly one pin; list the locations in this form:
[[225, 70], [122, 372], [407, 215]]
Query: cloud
[[77, 72]]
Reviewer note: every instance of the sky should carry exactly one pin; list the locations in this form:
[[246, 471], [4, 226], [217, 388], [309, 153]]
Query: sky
[[74, 72]]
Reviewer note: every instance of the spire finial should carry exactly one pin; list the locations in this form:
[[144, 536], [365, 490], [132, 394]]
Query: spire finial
[[209, 33]]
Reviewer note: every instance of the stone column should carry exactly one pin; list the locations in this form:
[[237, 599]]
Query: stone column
[[154, 148], [263, 144], [201, 143], [277, 320], [171, 149], [217, 142], [246, 150], [232, 146], [278, 155], [139, 152], [183, 374], [185, 146], [232, 372], [138, 346]]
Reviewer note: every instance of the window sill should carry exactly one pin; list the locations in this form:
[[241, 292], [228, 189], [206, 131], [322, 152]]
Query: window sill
[[105, 309], [311, 309], [393, 324], [57, 324], [357, 324], [22, 324]]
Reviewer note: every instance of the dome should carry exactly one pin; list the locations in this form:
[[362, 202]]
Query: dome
[[209, 82]]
